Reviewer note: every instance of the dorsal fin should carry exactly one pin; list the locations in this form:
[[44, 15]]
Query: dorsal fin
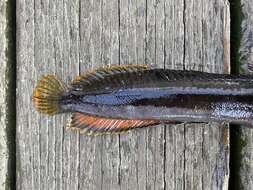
[[100, 73], [95, 125]]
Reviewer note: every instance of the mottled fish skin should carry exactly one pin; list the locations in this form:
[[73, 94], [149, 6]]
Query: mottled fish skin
[[165, 95]]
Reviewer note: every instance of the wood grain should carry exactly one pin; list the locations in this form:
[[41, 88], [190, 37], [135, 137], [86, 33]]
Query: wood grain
[[67, 38], [246, 59], [3, 104]]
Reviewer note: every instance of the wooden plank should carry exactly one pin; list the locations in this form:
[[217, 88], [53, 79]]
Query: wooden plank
[[90, 36], [245, 146], [195, 164], [133, 154], [70, 37], [155, 140], [7, 96], [205, 49], [3, 104], [246, 44]]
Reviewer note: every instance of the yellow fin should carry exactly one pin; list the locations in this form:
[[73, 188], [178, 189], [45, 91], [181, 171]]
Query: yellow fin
[[47, 95]]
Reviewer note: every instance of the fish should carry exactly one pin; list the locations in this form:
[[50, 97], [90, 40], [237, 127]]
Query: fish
[[121, 98]]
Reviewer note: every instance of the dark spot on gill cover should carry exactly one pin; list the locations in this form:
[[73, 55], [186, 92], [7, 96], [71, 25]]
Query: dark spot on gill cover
[[236, 141]]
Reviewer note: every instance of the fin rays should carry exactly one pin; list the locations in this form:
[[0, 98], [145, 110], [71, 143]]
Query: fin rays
[[101, 74], [48, 94], [95, 125]]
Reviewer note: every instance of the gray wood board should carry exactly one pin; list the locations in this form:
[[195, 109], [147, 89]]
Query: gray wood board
[[246, 59], [5, 152], [67, 38]]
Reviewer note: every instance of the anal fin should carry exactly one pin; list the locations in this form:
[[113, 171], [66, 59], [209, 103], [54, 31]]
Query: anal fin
[[91, 125]]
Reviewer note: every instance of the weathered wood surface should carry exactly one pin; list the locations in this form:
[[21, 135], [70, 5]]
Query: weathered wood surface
[[3, 107], [70, 37], [246, 59], [4, 152], [246, 48]]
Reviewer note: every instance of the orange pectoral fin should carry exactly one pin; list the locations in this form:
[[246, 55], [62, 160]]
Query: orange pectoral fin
[[97, 125]]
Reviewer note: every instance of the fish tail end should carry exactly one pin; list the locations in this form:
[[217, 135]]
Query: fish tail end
[[48, 94]]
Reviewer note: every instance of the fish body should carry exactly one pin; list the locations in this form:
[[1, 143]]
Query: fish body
[[122, 98]]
